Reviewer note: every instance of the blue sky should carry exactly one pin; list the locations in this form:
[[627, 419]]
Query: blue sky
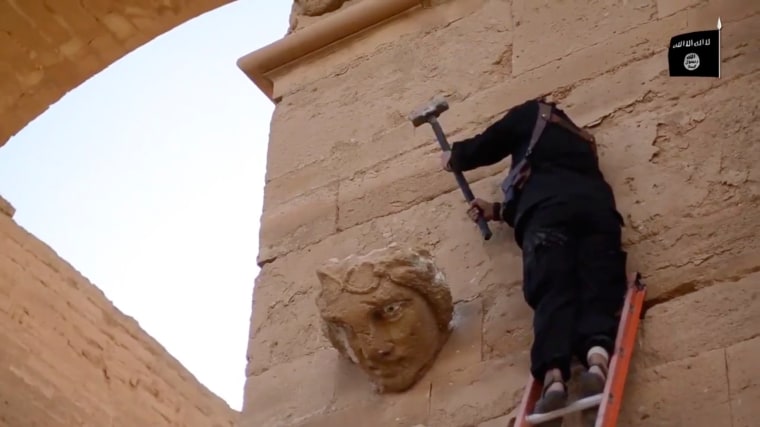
[[149, 177]]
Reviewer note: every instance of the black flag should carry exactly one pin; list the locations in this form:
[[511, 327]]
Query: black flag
[[695, 54]]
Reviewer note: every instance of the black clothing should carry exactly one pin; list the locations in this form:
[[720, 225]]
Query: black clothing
[[574, 278], [563, 165], [566, 222]]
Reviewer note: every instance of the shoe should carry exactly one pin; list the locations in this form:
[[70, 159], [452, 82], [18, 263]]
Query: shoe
[[591, 384], [551, 401]]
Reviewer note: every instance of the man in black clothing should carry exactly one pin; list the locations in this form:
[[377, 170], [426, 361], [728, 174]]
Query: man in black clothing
[[567, 225]]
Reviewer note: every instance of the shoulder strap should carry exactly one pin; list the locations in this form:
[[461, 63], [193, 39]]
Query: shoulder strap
[[578, 131], [544, 113]]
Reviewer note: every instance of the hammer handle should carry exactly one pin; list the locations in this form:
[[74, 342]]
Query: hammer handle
[[463, 185]]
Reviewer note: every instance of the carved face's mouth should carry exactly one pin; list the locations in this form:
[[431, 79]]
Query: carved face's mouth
[[388, 368], [386, 373], [387, 361]]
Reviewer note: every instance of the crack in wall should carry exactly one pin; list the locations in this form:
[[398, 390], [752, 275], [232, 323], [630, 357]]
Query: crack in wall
[[697, 285], [728, 385]]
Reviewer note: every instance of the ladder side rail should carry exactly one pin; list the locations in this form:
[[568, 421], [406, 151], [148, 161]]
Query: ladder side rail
[[612, 400]]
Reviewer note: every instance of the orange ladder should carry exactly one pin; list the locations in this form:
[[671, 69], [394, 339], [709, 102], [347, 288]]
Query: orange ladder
[[610, 400]]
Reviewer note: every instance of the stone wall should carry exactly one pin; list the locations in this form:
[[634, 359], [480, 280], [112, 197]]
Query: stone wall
[[49, 48], [348, 173], [70, 358]]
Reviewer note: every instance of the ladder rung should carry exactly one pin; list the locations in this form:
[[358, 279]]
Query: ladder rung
[[578, 405]]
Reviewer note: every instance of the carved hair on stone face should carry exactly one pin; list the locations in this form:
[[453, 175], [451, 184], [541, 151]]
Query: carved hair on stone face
[[411, 268], [387, 311]]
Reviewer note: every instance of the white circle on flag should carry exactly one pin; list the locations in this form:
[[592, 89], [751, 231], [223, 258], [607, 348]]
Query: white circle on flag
[[691, 61]]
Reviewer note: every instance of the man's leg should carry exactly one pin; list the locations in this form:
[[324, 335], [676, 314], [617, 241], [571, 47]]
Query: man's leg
[[550, 288], [602, 272]]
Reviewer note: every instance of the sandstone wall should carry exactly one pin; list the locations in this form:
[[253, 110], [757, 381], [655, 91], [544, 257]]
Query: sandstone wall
[[347, 173], [48, 48], [69, 358]]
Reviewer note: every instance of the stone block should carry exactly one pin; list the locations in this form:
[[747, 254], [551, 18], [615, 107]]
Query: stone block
[[79, 18], [502, 421], [303, 181], [298, 223], [477, 393], [399, 184], [291, 392], [119, 26], [546, 31], [507, 323], [668, 7], [587, 103], [355, 400], [744, 381], [706, 16], [50, 28], [711, 318], [464, 346], [284, 323], [687, 392]]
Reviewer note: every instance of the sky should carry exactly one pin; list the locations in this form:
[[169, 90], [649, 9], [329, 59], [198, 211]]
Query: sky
[[148, 178]]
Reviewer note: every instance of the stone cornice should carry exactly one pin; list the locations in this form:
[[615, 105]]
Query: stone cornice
[[333, 28]]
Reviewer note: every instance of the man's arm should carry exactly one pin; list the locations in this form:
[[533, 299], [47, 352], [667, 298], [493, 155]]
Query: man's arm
[[495, 143]]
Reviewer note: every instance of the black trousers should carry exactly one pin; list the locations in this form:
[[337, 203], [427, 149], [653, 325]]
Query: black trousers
[[574, 279]]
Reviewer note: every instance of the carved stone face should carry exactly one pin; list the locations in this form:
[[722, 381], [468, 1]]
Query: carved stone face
[[392, 331]]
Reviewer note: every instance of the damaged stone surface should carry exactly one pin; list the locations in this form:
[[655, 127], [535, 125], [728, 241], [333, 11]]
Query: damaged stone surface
[[347, 174], [388, 311]]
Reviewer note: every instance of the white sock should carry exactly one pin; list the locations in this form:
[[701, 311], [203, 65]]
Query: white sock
[[601, 352]]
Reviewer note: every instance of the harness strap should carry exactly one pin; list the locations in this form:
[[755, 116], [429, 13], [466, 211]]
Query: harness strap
[[544, 115], [580, 132], [521, 171]]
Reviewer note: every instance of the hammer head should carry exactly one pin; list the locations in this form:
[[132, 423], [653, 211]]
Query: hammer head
[[433, 108]]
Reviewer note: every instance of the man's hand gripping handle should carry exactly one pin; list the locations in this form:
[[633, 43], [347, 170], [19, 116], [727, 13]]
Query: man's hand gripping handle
[[463, 185]]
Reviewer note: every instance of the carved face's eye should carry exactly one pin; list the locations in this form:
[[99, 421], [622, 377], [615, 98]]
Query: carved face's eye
[[392, 310]]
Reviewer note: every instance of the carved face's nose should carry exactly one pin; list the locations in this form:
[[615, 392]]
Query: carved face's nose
[[380, 351], [385, 350]]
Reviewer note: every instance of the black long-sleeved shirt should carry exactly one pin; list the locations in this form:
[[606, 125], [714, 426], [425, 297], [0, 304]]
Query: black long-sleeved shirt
[[564, 168]]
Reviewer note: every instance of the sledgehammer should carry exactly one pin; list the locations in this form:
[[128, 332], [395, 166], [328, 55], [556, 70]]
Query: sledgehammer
[[429, 114]]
